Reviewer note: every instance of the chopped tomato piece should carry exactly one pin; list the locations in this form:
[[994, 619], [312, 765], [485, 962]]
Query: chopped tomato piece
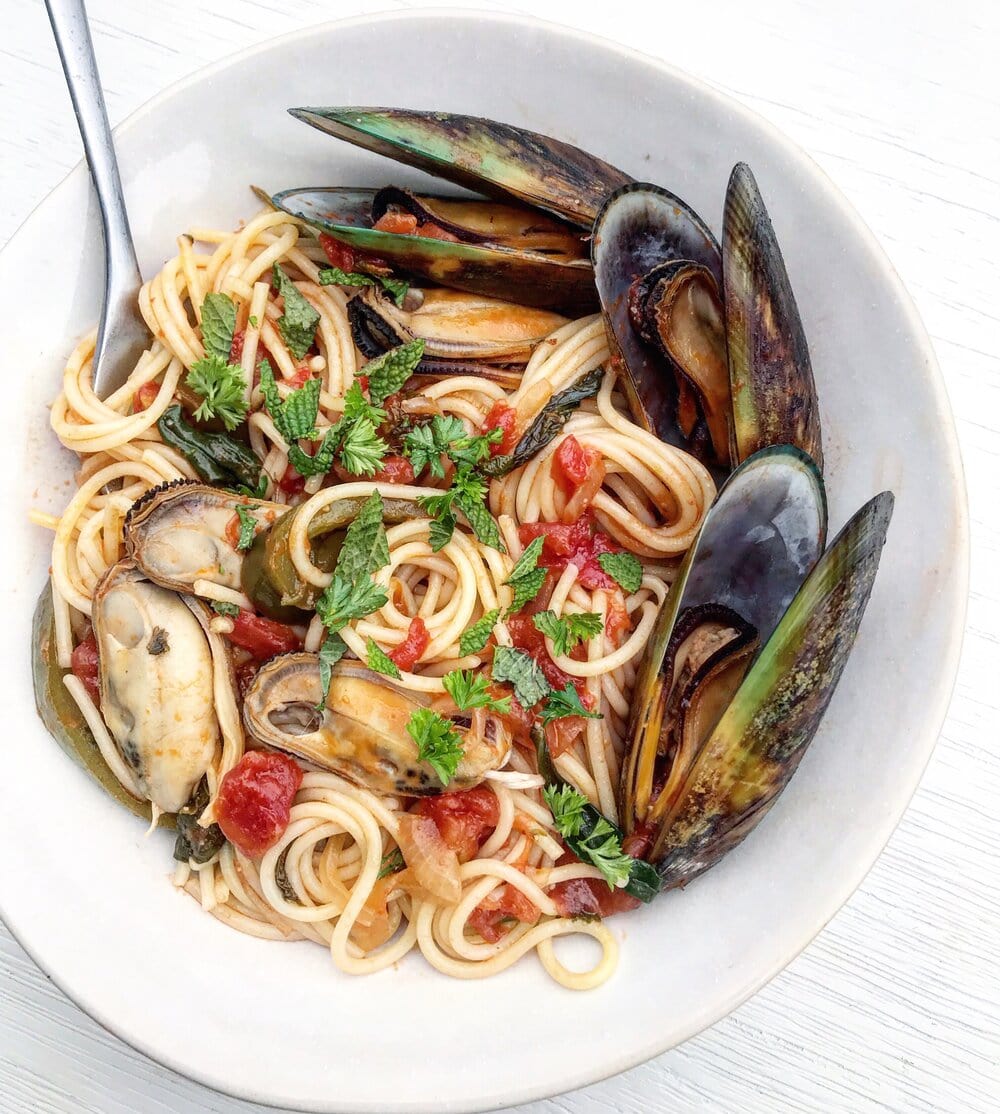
[[394, 470], [589, 897], [504, 418], [518, 720], [236, 348], [407, 653], [232, 532], [504, 904], [465, 818], [245, 674], [145, 396], [617, 623], [255, 799], [639, 842], [431, 231], [401, 224], [301, 377], [362, 382], [263, 638], [291, 482], [579, 543], [562, 734], [572, 464], [526, 636], [86, 666], [340, 255]]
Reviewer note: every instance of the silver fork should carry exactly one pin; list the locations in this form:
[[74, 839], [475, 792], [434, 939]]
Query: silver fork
[[122, 335]]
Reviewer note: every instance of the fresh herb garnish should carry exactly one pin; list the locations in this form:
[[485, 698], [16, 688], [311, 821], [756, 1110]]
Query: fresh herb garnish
[[597, 843], [224, 607], [526, 578], [222, 387], [252, 321], [471, 690], [297, 324], [468, 494], [361, 449], [515, 667], [438, 743], [568, 631], [295, 417], [342, 601], [365, 549], [623, 568], [248, 525], [332, 650], [444, 435], [379, 661], [387, 373], [475, 637], [334, 276], [218, 325], [392, 863], [565, 702]]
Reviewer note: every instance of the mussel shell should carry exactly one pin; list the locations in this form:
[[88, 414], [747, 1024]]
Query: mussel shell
[[530, 277], [640, 227], [483, 155], [773, 392], [758, 743]]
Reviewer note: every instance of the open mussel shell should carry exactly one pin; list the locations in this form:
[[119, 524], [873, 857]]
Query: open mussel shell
[[502, 251], [454, 326], [486, 156], [640, 228], [757, 544], [748, 759], [773, 393], [359, 731]]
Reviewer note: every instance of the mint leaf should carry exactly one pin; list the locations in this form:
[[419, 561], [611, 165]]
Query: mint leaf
[[475, 637], [294, 418], [334, 276], [392, 863], [387, 373], [528, 561], [248, 525], [365, 549], [332, 650], [398, 288], [297, 324], [623, 568], [441, 530], [218, 324], [515, 667], [223, 607], [526, 588], [379, 661], [321, 461]]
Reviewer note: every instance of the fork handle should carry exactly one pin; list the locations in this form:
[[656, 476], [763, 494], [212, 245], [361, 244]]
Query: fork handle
[[76, 52]]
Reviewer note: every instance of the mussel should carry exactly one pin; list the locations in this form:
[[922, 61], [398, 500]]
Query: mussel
[[156, 676], [507, 249], [360, 730], [744, 659]]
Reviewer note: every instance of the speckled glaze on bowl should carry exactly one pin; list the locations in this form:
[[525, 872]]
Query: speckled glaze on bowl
[[88, 896]]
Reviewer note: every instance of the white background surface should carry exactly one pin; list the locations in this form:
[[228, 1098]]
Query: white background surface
[[897, 1004]]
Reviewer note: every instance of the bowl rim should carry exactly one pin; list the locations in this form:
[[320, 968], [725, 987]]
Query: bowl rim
[[938, 702]]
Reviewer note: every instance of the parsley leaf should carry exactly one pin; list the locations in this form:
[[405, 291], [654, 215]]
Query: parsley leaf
[[295, 418], [248, 525], [600, 845], [379, 661], [425, 444], [343, 600], [332, 650], [218, 324], [468, 494], [224, 607], [362, 450], [387, 373], [297, 324], [565, 702], [438, 743], [475, 637], [365, 549], [471, 690], [357, 406], [392, 863], [623, 568], [570, 630], [222, 387], [525, 577], [334, 276], [524, 674]]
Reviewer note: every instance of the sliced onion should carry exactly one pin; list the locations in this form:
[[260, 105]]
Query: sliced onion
[[434, 865]]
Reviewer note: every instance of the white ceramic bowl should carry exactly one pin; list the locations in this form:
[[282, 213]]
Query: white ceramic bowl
[[88, 896]]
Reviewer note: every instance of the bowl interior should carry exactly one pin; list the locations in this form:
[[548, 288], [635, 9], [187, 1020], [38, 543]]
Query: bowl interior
[[88, 895]]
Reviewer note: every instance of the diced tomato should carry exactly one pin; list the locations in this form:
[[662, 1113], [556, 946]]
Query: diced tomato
[[504, 904], [362, 382], [236, 348], [504, 418], [589, 897], [145, 396], [407, 653], [86, 666], [638, 842], [340, 255], [617, 624], [301, 377], [572, 464], [465, 818], [291, 483], [395, 470], [263, 638], [232, 532], [526, 636], [401, 224], [431, 231], [579, 542], [562, 734], [255, 799], [518, 721]]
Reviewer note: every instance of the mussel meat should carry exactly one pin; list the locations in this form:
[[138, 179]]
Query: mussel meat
[[156, 677], [360, 730]]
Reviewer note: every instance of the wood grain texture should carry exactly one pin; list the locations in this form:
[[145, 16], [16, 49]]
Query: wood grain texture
[[896, 1006]]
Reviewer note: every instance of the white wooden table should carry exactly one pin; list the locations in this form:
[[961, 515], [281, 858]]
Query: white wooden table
[[896, 1006]]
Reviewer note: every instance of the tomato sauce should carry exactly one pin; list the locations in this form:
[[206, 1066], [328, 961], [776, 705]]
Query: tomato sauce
[[504, 418], [589, 897], [86, 666], [255, 800], [145, 396], [291, 482], [340, 255], [236, 348], [505, 904], [407, 653], [579, 543], [465, 818]]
